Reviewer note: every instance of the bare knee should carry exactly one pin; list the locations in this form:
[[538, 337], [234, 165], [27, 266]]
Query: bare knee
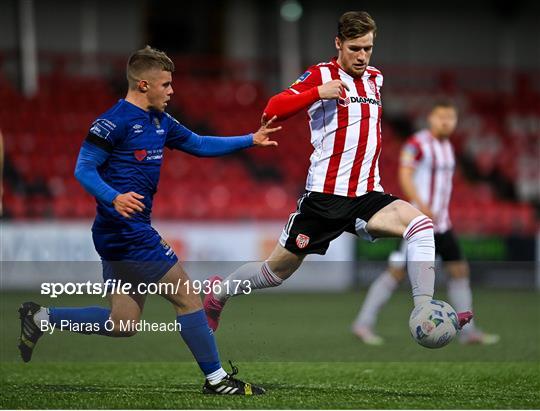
[[284, 263], [392, 220]]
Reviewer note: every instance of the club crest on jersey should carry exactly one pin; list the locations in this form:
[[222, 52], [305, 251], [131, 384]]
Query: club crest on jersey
[[344, 102], [140, 155], [301, 78], [302, 241], [372, 86]]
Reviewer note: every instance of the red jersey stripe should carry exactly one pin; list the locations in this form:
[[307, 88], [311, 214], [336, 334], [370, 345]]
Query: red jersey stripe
[[371, 178], [362, 141], [433, 174], [339, 141]]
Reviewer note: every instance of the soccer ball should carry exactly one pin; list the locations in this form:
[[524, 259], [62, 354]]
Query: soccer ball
[[433, 323]]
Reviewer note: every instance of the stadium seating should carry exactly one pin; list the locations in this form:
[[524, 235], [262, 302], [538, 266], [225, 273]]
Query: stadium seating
[[43, 136]]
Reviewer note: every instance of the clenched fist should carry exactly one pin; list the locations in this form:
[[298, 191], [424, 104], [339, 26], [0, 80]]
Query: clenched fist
[[332, 90]]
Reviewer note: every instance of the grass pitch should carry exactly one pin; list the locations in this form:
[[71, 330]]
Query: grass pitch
[[297, 346]]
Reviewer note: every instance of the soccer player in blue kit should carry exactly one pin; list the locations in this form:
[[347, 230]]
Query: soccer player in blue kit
[[119, 164]]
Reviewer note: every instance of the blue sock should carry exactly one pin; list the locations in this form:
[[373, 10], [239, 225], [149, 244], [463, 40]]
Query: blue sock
[[200, 339], [84, 320]]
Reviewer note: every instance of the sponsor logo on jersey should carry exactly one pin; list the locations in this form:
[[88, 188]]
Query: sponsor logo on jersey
[[137, 128], [140, 155], [302, 241], [155, 154], [301, 78], [148, 155], [358, 100]]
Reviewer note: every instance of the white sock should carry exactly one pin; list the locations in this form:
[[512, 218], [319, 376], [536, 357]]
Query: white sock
[[421, 258], [216, 376], [41, 315], [460, 295], [251, 275], [378, 294]]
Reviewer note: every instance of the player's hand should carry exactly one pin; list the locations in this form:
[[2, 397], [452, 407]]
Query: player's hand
[[332, 90], [128, 203], [261, 136]]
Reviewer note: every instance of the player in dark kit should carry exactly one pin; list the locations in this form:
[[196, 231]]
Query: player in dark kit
[[119, 164]]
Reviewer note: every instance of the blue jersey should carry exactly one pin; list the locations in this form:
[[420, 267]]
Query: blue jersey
[[134, 140]]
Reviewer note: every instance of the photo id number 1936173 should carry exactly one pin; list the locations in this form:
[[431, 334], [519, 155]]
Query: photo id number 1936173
[[230, 287]]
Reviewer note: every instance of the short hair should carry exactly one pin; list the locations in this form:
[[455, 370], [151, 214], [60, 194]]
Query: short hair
[[146, 59], [443, 103], [353, 24]]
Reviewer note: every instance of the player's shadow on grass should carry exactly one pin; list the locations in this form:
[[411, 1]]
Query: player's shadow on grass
[[349, 390], [146, 389]]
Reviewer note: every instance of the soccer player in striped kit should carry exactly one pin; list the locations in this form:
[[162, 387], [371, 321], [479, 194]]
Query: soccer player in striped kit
[[343, 191], [427, 166]]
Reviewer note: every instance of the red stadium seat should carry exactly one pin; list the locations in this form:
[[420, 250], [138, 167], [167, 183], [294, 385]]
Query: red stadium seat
[[44, 134]]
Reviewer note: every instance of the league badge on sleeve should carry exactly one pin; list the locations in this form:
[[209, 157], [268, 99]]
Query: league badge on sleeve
[[301, 78], [102, 127], [409, 155]]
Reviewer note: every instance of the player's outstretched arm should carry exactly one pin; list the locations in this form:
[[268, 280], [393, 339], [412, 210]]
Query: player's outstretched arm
[[181, 138]]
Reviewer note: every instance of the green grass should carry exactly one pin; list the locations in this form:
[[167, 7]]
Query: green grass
[[298, 346], [290, 385]]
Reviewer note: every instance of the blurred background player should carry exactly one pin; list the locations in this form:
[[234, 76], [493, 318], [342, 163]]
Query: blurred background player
[[343, 191], [426, 170], [119, 164]]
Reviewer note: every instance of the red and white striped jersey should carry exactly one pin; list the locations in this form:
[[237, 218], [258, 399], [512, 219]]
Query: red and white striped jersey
[[434, 164], [345, 133]]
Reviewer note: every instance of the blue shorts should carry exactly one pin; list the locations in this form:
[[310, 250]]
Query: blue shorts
[[138, 256]]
